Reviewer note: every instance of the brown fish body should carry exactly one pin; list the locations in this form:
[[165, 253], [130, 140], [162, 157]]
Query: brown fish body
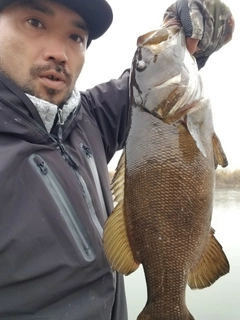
[[164, 182], [169, 187]]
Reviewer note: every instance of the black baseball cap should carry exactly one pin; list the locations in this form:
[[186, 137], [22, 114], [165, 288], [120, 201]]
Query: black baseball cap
[[96, 13]]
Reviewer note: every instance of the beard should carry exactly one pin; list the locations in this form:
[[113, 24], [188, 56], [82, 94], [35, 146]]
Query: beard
[[46, 93], [51, 94]]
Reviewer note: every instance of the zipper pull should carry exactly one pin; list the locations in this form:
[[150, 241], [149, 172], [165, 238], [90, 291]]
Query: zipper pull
[[67, 156], [86, 150], [41, 165], [60, 124], [60, 117]]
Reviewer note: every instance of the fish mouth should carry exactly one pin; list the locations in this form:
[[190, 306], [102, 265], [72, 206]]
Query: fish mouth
[[153, 38], [157, 36]]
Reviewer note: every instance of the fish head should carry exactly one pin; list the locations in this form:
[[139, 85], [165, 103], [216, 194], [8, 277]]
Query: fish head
[[164, 76]]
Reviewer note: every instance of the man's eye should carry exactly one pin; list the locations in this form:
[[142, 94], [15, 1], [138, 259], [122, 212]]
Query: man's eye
[[77, 38], [35, 23]]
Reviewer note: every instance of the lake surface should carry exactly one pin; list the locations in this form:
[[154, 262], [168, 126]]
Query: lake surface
[[220, 301]]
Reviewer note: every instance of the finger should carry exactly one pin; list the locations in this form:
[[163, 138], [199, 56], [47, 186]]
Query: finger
[[192, 45]]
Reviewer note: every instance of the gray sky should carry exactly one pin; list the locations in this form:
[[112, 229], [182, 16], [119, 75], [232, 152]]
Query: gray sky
[[110, 55]]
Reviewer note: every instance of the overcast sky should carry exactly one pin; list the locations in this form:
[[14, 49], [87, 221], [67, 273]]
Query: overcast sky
[[110, 55]]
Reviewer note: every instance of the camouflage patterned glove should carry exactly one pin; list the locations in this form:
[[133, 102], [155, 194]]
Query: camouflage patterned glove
[[207, 23]]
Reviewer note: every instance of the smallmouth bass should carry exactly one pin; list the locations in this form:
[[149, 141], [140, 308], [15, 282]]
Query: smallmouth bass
[[164, 182]]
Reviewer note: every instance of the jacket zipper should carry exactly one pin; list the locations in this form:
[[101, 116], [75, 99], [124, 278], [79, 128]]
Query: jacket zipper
[[87, 152], [88, 200], [80, 179], [65, 208]]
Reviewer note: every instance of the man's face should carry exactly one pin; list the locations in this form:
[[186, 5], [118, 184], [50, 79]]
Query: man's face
[[42, 48]]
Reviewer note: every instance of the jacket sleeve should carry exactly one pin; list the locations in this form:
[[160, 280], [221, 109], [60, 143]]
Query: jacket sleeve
[[109, 103]]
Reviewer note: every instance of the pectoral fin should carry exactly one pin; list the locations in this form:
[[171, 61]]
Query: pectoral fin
[[219, 154], [197, 124], [115, 240], [211, 267]]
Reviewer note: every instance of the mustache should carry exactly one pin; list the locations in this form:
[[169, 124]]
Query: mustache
[[37, 70]]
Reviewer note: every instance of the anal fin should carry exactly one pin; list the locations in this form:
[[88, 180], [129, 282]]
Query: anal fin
[[211, 267]]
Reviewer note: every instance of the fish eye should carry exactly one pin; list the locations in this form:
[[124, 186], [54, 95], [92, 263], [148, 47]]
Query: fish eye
[[141, 65]]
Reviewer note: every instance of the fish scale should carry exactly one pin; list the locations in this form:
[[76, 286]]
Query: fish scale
[[164, 182]]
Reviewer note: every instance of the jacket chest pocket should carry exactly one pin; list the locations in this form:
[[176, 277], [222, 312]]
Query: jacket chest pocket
[[66, 210]]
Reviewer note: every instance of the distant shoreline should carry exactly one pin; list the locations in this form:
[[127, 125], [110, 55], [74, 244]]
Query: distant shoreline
[[227, 179]]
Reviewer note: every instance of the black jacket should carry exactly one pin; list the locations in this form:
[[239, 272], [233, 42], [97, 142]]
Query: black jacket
[[54, 200]]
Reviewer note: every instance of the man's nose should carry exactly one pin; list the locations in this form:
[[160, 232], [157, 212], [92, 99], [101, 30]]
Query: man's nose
[[55, 50]]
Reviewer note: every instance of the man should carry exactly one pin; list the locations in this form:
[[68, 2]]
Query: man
[[54, 179], [55, 145]]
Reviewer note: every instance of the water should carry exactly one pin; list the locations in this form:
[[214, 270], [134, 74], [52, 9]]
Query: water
[[221, 300]]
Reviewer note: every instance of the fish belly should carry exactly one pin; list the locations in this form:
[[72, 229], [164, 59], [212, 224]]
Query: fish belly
[[168, 207]]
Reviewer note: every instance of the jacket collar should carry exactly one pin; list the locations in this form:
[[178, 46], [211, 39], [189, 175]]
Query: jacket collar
[[33, 107], [48, 111]]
